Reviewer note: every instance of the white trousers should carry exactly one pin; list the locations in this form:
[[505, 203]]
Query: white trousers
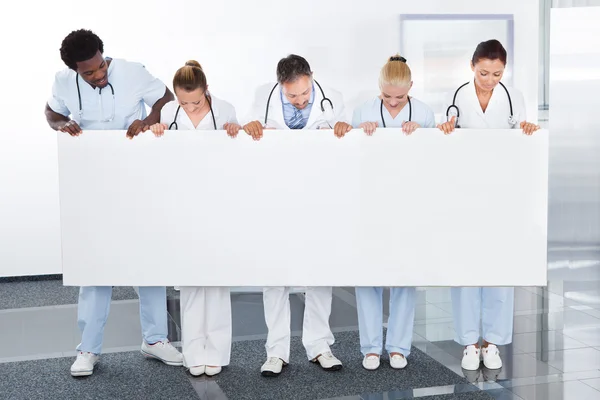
[[206, 325], [492, 308], [316, 333]]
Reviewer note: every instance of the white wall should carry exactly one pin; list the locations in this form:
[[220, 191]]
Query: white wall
[[238, 43], [438, 62]]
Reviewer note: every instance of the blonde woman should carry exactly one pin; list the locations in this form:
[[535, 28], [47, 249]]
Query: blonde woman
[[393, 108]]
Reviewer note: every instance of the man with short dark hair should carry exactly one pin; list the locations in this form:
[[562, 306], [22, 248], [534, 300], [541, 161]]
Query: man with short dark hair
[[99, 93], [297, 101]]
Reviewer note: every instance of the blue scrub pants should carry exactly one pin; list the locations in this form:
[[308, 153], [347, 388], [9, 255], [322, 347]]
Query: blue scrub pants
[[401, 321], [94, 306], [490, 307]]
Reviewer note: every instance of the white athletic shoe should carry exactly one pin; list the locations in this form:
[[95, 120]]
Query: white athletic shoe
[[272, 367], [328, 361], [84, 364], [163, 351]]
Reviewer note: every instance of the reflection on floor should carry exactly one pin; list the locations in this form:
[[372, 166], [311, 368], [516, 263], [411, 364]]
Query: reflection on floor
[[555, 352]]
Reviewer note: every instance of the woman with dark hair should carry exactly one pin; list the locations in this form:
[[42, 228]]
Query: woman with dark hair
[[478, 105], [485, 103]]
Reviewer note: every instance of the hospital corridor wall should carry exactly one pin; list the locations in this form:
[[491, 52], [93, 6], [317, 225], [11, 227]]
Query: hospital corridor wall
[[237, 57]]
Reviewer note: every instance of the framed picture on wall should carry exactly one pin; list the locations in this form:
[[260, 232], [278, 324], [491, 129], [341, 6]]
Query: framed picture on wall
[[439, 48]]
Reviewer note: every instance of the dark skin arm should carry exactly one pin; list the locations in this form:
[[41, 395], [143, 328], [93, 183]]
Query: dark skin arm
[[139, 126], [59, 122]]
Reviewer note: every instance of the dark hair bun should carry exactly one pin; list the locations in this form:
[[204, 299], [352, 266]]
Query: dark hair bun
[[398, 58], [193, 63]]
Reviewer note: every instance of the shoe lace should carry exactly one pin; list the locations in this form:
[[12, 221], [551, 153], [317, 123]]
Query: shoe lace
[[272, 360], [85, 356], [327, 355]]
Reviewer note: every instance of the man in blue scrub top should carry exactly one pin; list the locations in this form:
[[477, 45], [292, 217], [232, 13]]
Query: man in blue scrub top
[[99, 93]]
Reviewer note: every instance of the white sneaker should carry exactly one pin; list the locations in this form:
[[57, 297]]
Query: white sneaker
[[163, 351], [197, 370], [272, 367], [84, 364], [491, 357], [210, 371], [398, 361], [471, 358], [328, 361], [371, 362]]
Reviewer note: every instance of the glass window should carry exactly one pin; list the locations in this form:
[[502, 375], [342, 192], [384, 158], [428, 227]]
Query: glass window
[[431, 56]]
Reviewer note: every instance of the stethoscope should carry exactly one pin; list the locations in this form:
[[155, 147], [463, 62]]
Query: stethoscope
[[174, 123], [409, 111], [325, 99], [511, 119], [101, 110]]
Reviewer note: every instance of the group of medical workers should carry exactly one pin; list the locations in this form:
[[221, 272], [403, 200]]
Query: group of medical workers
[[100, 93]]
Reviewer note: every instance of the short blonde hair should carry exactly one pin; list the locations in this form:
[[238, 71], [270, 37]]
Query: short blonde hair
[[395, 72]]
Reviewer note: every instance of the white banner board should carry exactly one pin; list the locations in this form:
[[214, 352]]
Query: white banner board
[[304, 208]]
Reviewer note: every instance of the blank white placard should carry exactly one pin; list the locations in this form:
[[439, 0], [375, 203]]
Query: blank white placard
[[303, 208]]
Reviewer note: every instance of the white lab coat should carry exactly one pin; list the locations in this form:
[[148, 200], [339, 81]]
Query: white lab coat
[[316, 332], [206, 330], [490, 308], [497, 113], [224, 112], [317, 119]]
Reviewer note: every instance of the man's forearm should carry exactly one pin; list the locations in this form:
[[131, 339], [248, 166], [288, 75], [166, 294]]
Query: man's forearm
[[154, 116], [55, 120]]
